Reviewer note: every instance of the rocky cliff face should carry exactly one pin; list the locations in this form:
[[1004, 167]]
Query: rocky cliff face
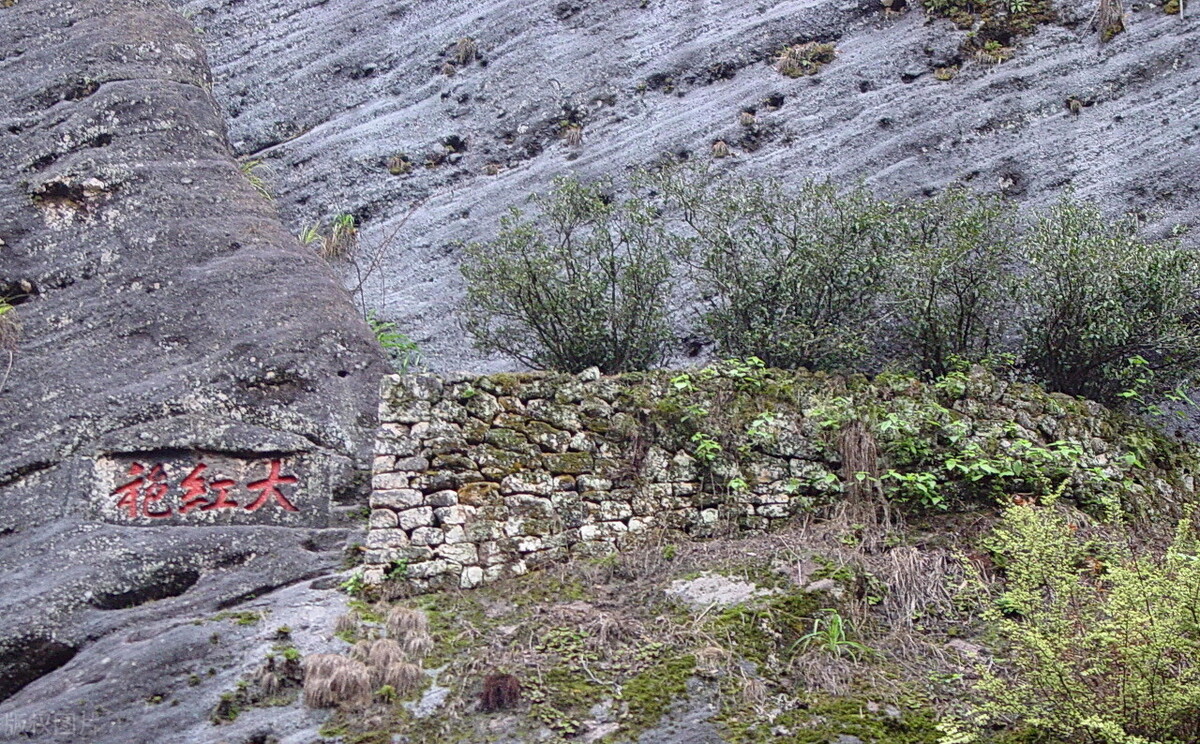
[[171, 321], [326, 93], [168, 320]]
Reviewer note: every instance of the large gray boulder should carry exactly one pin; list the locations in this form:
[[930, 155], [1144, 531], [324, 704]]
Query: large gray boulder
[[168, 321]]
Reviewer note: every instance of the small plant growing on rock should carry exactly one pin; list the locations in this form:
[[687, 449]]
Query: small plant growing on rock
[[466, 50], [399, 165], [572, 134], [401, 350], [10, 333], [804, 59], [500, 692], [251, 169]]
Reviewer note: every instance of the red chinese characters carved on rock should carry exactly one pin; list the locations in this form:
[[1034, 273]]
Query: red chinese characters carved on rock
[[143, 495]]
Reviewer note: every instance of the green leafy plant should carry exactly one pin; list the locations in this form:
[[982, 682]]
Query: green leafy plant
[[402, 351], [354, 585], [804, 59], [790, 276], [952, 288], [706, 448], [251, 169], [584, 283], [829, 635], [1099, 295], [1102, 635]]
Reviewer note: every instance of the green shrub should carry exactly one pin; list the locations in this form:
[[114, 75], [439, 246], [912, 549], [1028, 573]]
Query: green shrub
[[583, 283], [1102, 636], [1099, 295], [952, 287], [791, 276]]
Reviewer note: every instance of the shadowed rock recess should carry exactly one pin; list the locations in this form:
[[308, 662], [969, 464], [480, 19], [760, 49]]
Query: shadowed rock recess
[[189, 392]]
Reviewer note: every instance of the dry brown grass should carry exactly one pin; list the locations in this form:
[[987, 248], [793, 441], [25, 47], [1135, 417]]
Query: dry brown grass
[[333, 680], [401, 621], [572, 134], [720, 149], [379, 653], [347, 623], [403, 676]]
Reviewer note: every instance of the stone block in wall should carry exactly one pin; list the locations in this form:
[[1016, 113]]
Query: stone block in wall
[[546, 437], [429, 536], [483, 529], [386, 538], [478, 493], [411, 465], [446, 410], [454, 462], [558, 416], [569, 508], [455, 534], [382, 519], [411, 519], [429, 569], [463, 553], [389, 481], [601, 531], [442, 499], [589, 482], [568, 463], [471, 577], [582, 442], [401, 498], [774, 511], [454, 515], [543, 558], [383, 464], [483, 406], [399, 446], [682, 467], [608, 510], [533, 482], [510, 440]]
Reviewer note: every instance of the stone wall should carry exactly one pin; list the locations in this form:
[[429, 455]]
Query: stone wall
[[481, 478], [478, 478]]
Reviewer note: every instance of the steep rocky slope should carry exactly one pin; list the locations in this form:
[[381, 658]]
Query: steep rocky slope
[[165, 313], [327, 92]]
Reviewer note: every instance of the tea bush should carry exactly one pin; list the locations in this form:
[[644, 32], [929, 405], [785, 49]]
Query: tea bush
[[583, 282]]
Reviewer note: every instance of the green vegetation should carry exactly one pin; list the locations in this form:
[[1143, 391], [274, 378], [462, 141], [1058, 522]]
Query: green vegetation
[[584, 283], [337, 241], [402, 351], [804, 59], [1101, 633], [824, 279], [251, 169], [1102, 296]]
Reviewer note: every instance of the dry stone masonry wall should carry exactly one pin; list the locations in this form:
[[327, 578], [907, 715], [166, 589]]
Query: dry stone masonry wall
[[486, 477], [479, 478]]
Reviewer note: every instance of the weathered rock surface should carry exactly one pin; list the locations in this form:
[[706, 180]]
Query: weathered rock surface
[[327, 92], [165, 310]]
